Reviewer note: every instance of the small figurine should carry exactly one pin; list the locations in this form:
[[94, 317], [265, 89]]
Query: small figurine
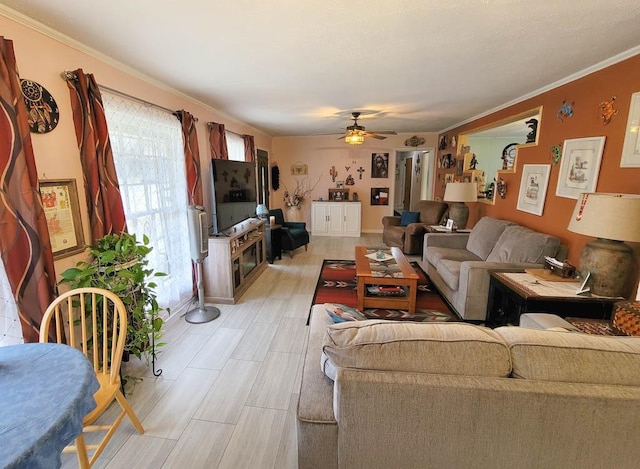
[[607, 111], [556, 153], [473, 164], [566, 110], [533, 125]]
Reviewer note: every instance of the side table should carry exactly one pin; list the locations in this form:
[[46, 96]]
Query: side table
[[514, 293], [274, 242]]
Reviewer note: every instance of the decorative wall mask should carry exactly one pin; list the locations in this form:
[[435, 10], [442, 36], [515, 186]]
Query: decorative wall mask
[[607, 111], [349, 181], [565, 111]]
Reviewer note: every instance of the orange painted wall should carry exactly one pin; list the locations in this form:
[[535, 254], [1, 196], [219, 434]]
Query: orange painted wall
[[620, 80]]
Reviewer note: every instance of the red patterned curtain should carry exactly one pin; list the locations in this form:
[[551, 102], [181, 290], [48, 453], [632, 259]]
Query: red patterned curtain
[[106, 213], [191, 157], [249, 148], [24, 238], [218, 141]]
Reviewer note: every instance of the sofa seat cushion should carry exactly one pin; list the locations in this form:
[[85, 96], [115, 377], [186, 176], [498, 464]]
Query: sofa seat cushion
[[449, 270], [485, 234], [574, 358], [435, 254], [449, 348], [521, 244]]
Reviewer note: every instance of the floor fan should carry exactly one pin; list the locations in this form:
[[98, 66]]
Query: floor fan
[[198, 241]]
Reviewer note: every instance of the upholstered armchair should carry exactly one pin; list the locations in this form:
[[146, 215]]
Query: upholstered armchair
[[294, 233], [409, 237]]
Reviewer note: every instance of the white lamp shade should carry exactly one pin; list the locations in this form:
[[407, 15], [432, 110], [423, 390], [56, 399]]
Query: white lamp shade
[[461, 192], [607, 216]]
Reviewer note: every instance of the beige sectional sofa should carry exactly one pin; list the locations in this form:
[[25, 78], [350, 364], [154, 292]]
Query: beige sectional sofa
[[384, 394], [459, 264]]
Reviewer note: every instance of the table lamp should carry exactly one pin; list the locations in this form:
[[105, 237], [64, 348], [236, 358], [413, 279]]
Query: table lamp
[[459, 193], [613, 219]]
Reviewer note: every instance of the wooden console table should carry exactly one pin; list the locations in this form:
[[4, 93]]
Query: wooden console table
[[514, 293], [235, 260]]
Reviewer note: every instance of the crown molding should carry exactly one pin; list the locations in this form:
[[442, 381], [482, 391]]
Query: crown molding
[[582, 73]]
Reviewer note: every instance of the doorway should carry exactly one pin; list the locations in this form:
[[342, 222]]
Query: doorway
[[408, 171]]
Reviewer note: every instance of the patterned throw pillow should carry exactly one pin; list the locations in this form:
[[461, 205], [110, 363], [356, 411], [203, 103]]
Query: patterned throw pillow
[[409, 217], [341, 313]]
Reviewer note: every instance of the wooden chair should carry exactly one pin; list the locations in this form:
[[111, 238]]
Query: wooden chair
[[79, 317]]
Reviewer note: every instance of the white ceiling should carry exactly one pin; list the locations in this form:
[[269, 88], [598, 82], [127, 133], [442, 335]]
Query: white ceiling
[[299, 67]]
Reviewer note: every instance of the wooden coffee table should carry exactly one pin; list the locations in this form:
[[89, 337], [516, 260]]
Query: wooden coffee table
[[366, 277]]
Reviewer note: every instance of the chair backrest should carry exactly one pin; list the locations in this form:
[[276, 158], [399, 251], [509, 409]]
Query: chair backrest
[[431, 211], [92, 320], [277, 212]]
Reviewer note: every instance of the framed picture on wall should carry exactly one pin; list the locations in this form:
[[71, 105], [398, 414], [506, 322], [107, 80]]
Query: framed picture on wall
[[631, 149], [579, 166], [379, 196], [62, 212], [380, 165], [533, 188]]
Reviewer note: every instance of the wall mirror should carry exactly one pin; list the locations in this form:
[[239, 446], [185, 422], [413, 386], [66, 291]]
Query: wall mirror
[[493, 149]]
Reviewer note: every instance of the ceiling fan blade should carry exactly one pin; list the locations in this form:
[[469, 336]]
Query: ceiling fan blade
[[379, 137], [384, 132]]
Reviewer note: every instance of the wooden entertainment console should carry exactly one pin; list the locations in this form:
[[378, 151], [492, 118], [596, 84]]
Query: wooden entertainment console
[[235, 260]]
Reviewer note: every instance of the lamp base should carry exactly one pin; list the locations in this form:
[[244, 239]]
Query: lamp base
[[459, 213], [609, 263], [202, 315]]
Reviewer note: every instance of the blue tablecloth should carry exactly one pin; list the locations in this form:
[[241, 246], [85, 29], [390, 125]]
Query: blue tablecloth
[[45, 392]]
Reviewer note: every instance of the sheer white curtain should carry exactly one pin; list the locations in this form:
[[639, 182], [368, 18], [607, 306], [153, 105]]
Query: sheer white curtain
[[149, 158], [10, 329], [235, 146]]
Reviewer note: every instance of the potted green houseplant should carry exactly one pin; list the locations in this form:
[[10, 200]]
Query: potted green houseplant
[[119, 263]]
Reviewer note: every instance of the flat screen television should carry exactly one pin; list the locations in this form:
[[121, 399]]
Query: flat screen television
[[233, 190]]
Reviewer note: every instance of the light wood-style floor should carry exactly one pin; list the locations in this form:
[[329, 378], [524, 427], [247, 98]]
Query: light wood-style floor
[[229, 388]]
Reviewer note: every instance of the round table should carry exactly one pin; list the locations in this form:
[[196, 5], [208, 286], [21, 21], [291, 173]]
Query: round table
[[45, 392]]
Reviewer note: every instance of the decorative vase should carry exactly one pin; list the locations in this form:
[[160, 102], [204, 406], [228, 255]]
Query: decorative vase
[[294, 213]]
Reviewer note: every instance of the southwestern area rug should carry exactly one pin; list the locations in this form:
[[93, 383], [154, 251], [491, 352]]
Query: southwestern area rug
[[337, 284]]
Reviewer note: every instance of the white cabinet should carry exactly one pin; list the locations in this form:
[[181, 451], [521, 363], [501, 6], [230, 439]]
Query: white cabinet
[[336, 218]]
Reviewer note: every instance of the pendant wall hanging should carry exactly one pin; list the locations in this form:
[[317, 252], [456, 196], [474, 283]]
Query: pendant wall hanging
[[42, 109], [275, 177]]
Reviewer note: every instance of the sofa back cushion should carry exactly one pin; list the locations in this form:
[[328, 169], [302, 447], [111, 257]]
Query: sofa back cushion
[[431, 211], [445, 348], [520, 244], [573, 357], [485, 234]]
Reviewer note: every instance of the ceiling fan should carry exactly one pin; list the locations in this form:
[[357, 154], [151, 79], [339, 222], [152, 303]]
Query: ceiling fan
[[356, 133]]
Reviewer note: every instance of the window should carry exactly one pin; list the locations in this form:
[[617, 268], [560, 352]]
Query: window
[[235, 146], [149, 158]]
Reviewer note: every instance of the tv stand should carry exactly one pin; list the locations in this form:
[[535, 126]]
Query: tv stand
[[237, 257]]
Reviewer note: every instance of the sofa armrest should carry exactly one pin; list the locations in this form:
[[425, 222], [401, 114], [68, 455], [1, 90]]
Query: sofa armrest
[[390, 221], [416, 229], [301, 225], [446, 240], [474, 284]]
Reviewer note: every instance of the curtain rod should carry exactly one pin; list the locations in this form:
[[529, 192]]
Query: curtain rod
[[140, 100], [209, 124], [69, 75]]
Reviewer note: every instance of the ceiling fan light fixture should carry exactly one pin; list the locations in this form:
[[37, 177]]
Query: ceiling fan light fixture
[[354, 138]]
